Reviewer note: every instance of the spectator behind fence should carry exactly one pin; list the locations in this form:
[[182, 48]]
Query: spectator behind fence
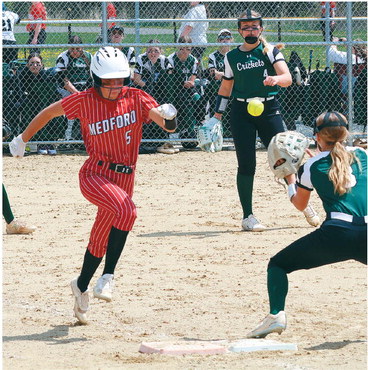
[[111, 14], [360, 89], [75, 62], [37, 90], [332, 6], [150, 75], [216, 68], [181, 89], [9, 20], [116, 37], [195, 30], [340, 60], [37, 31]]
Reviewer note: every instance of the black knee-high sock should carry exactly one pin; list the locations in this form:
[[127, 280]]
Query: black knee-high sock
[[117, 239], [90, 265]]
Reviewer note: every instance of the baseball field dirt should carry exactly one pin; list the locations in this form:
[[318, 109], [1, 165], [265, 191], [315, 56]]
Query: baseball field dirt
[[187, 272]]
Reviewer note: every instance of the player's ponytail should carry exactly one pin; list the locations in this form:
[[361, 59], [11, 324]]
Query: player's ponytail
[[334, 136], [267, 46]]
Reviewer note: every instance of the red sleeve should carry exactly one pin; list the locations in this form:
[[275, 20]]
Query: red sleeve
[[38, 11], [111, 11], [72, 105], [147, 103]]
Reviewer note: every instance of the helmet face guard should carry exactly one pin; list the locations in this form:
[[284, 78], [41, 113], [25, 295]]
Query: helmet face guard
[[249, 17]]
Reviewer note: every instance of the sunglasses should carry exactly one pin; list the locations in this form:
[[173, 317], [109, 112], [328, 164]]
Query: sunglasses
[[185, 49], [225, 37], [117, 33], [75, 49], [255, 28]]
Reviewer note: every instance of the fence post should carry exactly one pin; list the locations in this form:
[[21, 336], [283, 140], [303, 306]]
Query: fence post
[[350, 60], [137, 26], [327, 32], [104, 22]]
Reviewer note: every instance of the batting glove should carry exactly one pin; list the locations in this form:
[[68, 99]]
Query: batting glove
[[167, 111], [17, 147]]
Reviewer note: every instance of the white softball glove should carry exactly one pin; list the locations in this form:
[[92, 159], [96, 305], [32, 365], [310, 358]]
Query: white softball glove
[[17, 147], [286, 152], [210, 137]]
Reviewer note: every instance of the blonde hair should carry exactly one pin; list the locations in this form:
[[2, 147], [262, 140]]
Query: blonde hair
[[340, 171], [267, 47]]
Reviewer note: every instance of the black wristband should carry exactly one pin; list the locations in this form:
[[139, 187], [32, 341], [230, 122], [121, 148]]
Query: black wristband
[[170, 124], [221, 103]]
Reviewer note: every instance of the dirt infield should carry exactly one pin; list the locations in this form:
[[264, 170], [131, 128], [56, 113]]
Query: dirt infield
[[187, 272]]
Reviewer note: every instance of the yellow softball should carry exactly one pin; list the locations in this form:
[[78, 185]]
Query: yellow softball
[[255, 107]]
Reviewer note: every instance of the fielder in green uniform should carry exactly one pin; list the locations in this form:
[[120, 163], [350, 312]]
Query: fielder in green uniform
[[339, 175], [254, 69]]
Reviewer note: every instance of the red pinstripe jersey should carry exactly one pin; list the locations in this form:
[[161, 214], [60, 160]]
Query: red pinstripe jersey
[[112, 130]]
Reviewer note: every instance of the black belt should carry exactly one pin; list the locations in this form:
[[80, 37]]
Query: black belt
[[117, 167]]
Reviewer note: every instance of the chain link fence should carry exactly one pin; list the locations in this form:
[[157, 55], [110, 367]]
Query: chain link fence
[[325, 48]]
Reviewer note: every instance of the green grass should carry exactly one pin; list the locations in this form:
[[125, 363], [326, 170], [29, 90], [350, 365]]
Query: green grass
[[50, 54]]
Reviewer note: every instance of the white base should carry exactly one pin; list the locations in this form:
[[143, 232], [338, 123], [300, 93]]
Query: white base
[[214, 347], [182, 348], [250, 345]]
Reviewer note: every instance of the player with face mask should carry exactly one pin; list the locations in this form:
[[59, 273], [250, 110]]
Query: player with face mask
[[254, 69]]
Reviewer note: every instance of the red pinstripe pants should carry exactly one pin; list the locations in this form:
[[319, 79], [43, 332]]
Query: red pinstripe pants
[[112, 193]]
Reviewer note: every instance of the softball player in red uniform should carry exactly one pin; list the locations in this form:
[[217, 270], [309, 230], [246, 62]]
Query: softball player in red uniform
[[111, 117]]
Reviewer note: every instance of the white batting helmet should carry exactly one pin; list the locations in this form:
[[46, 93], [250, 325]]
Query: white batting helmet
[[108, 63]]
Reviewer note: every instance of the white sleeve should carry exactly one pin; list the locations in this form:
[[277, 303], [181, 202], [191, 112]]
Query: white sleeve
[[195, 66], [228, 70], [139, 65], [62, 61], [211, 61], [304, 177], [275, 55], [131, 57], [337, 56], [192, 14]]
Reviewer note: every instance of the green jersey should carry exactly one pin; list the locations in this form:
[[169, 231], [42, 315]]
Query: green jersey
[[216, 60], [76, 69], [130, 54], [183, 70], [248, 69], [314, 174]]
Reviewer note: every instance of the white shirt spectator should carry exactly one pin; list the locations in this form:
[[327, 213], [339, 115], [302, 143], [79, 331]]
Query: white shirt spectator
[[199, 29], [341, 57], [9, 20]]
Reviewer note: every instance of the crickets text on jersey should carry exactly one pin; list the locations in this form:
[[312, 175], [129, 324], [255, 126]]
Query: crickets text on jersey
[[250, 65], [106, 125]]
